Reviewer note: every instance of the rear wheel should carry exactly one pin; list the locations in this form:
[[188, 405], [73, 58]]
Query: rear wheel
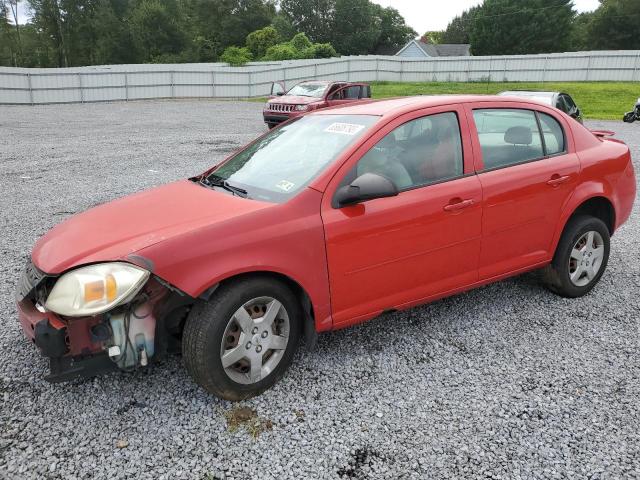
[[580, 259], [240, 342]]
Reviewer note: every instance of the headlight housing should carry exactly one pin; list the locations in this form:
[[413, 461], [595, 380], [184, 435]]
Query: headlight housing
[[95, 289], [302, 108]]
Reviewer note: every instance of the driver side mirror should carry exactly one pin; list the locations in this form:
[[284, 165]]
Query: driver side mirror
[[366, 187]]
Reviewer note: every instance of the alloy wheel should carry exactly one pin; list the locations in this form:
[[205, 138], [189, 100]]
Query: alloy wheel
[[585, 260], [255, 340]]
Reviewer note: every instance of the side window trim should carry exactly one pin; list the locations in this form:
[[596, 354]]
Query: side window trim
[[544, 144]]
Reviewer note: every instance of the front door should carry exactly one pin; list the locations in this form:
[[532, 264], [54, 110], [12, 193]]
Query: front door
[[395, 252], [528, 171]]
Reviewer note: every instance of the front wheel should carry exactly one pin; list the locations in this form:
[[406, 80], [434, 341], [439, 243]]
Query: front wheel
[[580, 259], [242, 340]]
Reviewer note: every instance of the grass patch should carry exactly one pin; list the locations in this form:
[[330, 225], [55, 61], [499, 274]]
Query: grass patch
[[597, 100]]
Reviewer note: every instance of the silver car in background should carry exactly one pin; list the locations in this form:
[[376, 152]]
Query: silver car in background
[[559, 100]]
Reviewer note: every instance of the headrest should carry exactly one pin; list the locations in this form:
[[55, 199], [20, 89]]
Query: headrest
[[518, 136]]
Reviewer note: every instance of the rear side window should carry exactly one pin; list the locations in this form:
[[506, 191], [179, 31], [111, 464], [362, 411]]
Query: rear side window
[[508, 136], [552, 133]]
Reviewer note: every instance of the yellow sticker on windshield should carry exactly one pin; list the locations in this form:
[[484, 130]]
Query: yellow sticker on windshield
[[344, 128]]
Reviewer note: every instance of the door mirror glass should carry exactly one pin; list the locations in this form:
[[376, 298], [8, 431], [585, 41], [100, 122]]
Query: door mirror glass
[[366, 187], [277, 89]]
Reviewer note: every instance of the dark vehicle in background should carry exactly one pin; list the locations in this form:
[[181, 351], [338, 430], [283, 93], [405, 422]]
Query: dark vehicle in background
[[310, 95], [633, 115], [561, 101]]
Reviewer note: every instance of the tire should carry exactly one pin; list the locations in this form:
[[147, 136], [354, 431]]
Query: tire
[[271, 126], [210, 323], [574, 273]]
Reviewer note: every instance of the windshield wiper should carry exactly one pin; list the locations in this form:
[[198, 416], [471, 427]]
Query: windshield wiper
[[217, 181]]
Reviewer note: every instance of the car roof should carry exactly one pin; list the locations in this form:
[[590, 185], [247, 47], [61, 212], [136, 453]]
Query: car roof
[[397, 106], [527, 93]]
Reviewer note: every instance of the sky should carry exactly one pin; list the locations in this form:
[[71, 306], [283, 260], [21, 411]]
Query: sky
[[421, 15], [427, 15]]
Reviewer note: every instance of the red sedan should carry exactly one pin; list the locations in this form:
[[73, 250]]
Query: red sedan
[[327, 221]]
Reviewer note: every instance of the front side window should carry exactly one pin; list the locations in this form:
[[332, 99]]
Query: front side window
[[420, 152], [508, 136], [286, 159], [352, 92]]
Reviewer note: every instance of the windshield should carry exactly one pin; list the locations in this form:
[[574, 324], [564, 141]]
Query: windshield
[[312, 89], [286, 159]]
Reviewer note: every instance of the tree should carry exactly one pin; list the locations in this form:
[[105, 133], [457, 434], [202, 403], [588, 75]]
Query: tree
[[236, 56], [259, 41], [394, 32], [156, 29], [355, 28], [283, 26], [314, 17], [512, 27], [579, 37], [459, 29], [114, 39], [300, 42], [13, 7], [614, 26], [320, 50], [433, 37], [282, 51]]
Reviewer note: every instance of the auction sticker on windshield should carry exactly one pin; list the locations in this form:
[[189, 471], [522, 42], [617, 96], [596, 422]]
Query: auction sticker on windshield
[[344, 128], [285, 185]]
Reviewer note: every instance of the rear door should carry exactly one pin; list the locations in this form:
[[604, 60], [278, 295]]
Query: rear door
[[528, 170]]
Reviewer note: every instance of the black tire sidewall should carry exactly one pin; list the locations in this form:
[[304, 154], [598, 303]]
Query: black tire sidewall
[[574, 230], [209, 320]]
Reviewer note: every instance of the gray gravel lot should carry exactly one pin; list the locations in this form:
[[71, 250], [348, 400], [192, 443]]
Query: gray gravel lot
[[507, 381]]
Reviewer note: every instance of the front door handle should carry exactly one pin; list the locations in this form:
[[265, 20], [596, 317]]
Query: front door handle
[[556, 180], [459, 205]]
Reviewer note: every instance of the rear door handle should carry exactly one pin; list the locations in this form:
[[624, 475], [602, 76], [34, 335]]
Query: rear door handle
[[452, 207], [556, 180]]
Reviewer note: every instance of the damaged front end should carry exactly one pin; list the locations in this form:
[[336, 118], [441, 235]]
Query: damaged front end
[[86, 323]]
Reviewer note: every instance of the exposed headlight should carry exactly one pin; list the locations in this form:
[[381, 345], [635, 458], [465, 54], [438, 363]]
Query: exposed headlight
[[95, 289], [302, 108]]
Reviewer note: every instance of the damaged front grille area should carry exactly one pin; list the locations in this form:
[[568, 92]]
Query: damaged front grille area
[[30, 279]]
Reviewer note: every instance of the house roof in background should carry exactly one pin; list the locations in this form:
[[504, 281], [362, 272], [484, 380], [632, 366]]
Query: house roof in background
[[440, 50]]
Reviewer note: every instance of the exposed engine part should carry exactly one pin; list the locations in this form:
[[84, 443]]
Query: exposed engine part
[[133, 339]]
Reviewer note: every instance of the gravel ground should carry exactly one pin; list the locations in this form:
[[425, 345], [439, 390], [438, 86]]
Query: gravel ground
[[507, 381]]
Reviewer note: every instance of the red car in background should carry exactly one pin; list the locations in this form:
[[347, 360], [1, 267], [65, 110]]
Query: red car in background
[[328, 221], [309, 96]]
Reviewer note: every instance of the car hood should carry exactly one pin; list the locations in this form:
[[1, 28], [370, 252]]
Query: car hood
[[114, 230], [294, 100]]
